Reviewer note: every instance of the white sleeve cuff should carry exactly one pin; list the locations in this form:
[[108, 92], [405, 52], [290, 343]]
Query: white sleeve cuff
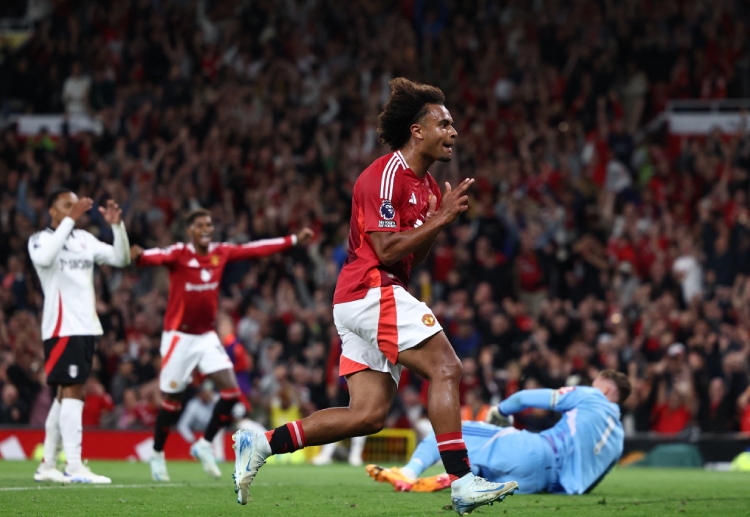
[[294, 239]]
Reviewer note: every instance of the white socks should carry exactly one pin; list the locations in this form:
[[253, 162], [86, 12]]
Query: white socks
[[463, 481], [71, 429], [52, 434]]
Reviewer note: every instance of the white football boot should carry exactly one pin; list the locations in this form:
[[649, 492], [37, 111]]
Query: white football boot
[[201, 450], [83, 474], [468, 494], [251, 448], [47, 473], [158, 466]]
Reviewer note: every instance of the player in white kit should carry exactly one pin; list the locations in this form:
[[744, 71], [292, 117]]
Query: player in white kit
[[64, 259]]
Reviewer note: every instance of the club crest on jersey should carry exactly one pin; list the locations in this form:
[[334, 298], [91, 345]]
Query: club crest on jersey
[[428, 320], [73, 371], [205, 275], [387, 211], [214, 260]]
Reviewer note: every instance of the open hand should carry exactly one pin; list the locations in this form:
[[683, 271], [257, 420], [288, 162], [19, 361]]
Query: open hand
[[112, 213]]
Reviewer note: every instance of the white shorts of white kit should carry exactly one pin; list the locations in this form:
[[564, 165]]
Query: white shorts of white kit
[[376, 328], [181, 353]]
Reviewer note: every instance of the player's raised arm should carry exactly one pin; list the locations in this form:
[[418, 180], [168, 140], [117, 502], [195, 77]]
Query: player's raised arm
[[117, 254], [154, 256], [43, 246], [265, 247], [563, 399]]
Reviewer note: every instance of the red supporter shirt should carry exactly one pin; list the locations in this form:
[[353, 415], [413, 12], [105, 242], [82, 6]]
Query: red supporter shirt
[[194, 279], [387, 197], [670, 421]]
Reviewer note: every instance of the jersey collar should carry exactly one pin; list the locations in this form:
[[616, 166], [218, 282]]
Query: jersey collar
[[403, 159]]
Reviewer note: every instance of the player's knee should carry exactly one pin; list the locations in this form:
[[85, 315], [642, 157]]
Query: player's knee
[[449, 371], [371, 422]]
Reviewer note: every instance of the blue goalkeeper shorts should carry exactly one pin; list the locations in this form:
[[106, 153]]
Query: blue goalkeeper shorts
[[507, 454]]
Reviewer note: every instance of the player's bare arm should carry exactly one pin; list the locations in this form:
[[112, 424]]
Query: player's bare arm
[[392, 247]]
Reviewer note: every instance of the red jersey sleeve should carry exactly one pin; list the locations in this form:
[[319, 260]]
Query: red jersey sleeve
[[379, 197], [160, 256], [256, 249]]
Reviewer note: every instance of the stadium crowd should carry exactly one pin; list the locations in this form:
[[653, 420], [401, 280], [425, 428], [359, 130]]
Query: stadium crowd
[[585, 248]]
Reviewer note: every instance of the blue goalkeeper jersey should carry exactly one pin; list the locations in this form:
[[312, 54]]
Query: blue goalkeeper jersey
[[588, 439]]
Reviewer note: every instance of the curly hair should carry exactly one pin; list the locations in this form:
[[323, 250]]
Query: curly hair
[[195, 214], [621, 381], [407, 105]]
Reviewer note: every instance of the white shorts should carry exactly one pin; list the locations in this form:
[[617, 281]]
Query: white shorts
[[376, 328], [182, 353]]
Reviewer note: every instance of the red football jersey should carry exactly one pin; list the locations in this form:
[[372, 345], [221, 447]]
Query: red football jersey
[[194, 279], [387, 197]]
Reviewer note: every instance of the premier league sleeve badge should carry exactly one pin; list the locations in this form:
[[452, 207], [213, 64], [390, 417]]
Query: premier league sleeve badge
[[387, 213]]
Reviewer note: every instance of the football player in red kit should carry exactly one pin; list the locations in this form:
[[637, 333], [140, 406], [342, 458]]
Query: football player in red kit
[[397, 213], [189, 339]]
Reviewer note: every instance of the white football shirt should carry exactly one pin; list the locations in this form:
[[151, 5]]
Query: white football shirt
[[64, 260]]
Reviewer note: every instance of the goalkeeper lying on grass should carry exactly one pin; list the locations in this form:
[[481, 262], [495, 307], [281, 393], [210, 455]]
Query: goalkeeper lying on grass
[[571, 457]]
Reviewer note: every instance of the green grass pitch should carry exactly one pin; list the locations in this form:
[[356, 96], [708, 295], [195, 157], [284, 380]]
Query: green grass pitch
[[284, 490]]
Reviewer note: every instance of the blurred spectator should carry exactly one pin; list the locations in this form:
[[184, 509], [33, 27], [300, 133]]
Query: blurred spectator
[[12, 409], [674, 402], [197, 412], [139, 408], [76, 91], [242, 361], [715, 408], [98, 404], [474, 408], [124, 379]]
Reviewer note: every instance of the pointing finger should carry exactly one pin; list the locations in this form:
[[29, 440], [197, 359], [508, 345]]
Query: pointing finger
[[464, 186]]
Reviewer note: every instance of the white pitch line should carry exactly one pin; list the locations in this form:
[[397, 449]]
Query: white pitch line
[[82, 485]]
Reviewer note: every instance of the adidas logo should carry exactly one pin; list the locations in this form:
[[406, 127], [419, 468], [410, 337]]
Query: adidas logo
[[413, 199], [193, 263]]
